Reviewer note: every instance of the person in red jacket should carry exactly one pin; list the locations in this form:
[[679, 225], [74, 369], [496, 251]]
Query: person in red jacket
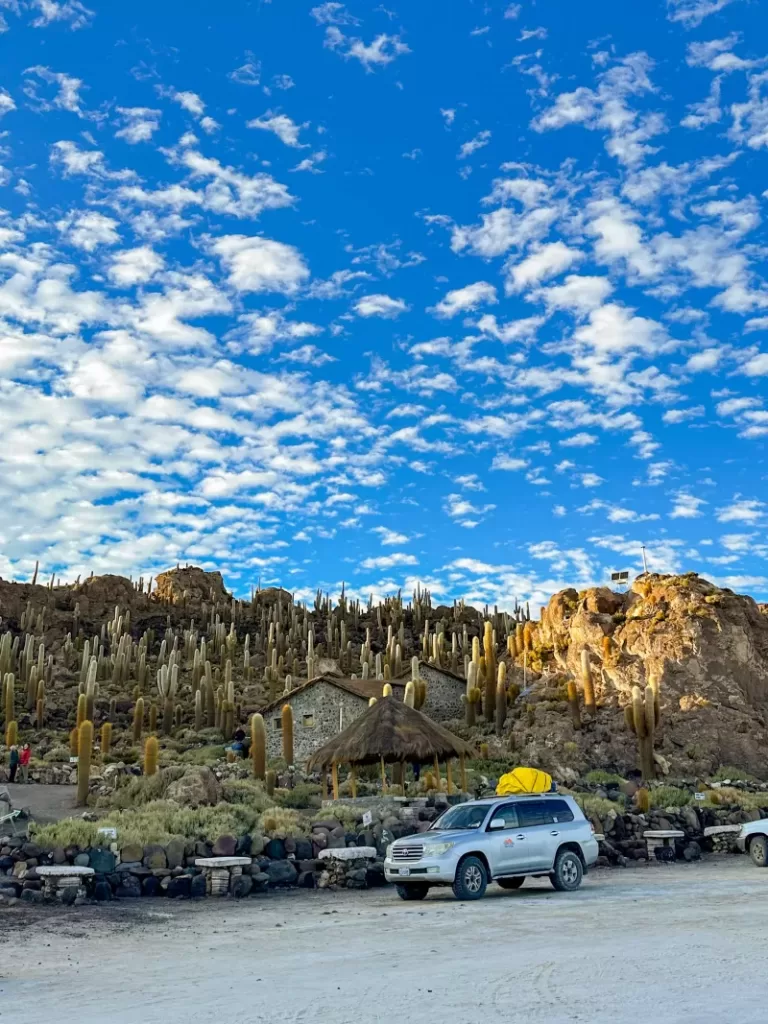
[[24, 755]]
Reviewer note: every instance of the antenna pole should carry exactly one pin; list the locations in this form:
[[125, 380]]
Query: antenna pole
[[645, 560]]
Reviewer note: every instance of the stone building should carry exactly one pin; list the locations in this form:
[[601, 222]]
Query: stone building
[[321, 707], [444, 692]]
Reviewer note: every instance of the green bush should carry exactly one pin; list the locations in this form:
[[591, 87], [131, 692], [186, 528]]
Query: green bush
[[202, 755], [248, 792], [598, 777], [728, 771], [670, 796], [140, 790], [303, 796]]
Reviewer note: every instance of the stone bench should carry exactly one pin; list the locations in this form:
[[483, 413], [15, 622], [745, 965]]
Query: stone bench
[[63, 882], [722, 837], [219, 872], [346, 867], [662, 839]]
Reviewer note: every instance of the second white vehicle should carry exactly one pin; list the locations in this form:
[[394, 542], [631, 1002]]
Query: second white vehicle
[[503, 840]]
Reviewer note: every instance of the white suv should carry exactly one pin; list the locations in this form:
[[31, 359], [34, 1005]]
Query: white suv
[[502, 840]]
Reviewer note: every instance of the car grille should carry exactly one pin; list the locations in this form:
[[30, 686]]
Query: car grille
[[404, 853]]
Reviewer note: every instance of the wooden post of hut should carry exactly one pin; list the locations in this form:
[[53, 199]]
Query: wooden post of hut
[[448, 777], [353, 780], [437, 774], [383, 776], [463, 772], [335, 777], [324, 783]]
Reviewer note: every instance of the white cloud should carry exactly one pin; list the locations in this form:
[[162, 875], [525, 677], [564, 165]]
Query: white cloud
[[333, 14], [139, 124], [380, 305], [580, 440], [741, 510], [134, 266], [257, 264], [378, 53], [705, 360], [544, 261], [507, 462], [757, 366], [686, 506], [249, 72], [464, 299], [61, 10], [67, 95], [282, 126], [388, 561], [449, 116], [691, 13], [390, 538], [6, 103], [478, 142], [88, 230], [591, 480]]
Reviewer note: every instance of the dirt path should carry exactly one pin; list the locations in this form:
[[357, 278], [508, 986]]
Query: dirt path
[[45, 803], [682, 944]]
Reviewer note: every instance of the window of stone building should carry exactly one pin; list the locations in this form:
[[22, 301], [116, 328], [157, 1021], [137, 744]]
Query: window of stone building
[[278, 723], [308, 721]]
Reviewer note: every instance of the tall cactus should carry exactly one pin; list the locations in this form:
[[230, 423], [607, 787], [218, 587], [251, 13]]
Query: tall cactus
[[84, 754], [11, 734], [138, 720], [287, 731], [167, 685], [501, 705], [573, 704], [258, 746], [409, 697], [151, 754], [10, 697], [642, 717], [198, 710], [106, 738], [473, 696], [81, 708], [586, 680]]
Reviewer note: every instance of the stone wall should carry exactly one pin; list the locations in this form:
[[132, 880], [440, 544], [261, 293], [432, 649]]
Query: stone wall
[[444, 693]]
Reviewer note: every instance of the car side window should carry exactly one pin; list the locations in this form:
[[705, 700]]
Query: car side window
[[534, 812], [506, 813], [560, 811]]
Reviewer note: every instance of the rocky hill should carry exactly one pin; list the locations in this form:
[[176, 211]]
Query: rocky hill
[[702, 651]]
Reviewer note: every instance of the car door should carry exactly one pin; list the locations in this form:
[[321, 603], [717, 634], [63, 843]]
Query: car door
[[565, 827], [505, 851], [536, 832]]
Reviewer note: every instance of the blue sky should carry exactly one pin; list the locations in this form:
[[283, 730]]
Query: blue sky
[[471, 295]]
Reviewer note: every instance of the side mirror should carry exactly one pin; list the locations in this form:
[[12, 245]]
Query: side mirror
[[496, 825]]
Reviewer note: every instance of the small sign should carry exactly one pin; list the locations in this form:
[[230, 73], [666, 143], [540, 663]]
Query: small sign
[[699, 796], [619, 577], [108, 833], [367, 818], [73, 760]]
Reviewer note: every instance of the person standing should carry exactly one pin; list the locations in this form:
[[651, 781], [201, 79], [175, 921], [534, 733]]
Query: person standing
[[24, 758], [13, 762]]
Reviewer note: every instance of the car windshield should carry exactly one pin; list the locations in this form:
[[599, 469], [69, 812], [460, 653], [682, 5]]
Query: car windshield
[[461, 816]]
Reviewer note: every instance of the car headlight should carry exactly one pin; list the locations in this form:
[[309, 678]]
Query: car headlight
[[438, 849], [388, 851]]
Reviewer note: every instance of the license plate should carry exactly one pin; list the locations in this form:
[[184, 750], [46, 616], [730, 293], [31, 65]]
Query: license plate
[[405, 871]]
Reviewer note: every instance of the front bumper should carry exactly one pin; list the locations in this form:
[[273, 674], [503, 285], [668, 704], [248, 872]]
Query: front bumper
[[432, 870], [741, 843], [591, 849]]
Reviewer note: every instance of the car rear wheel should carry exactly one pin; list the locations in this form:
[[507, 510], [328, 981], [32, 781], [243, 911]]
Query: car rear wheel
[[414, 891], [511, 883], [568, 871], [758, 851], [471, 879]]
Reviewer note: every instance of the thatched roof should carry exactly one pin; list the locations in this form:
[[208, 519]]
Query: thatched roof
[[392, 730]]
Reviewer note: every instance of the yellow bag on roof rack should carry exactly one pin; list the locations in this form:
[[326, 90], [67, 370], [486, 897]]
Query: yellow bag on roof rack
[[524, 780]]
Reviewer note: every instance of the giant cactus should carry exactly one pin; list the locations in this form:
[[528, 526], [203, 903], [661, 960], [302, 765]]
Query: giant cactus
[[586, 680], [84, 754], [258, 746], [573, 704], [642, 717], [287, 731], [138, 720], [151, 754]]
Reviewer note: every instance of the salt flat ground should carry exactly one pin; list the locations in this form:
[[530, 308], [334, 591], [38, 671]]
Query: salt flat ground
[[679, 943]]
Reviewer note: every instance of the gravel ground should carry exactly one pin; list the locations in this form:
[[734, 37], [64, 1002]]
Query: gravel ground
[[675, 943], [45, 803]]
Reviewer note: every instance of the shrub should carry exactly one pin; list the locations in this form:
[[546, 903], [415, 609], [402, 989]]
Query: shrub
[[599, 777], [670, 796], [141, 790], [282, 821], [202, 755], [57, 754], [729, 773], [248, 792], [302, 796]]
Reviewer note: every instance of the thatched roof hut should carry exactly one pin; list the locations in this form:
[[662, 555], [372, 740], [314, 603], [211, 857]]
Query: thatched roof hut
[[390, 731]]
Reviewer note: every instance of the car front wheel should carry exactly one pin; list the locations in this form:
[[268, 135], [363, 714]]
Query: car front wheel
[[568, 871], [414, 891], [758, 851], [471, 879]]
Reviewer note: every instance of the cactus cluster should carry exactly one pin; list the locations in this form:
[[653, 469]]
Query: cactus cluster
[[642, 717]]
